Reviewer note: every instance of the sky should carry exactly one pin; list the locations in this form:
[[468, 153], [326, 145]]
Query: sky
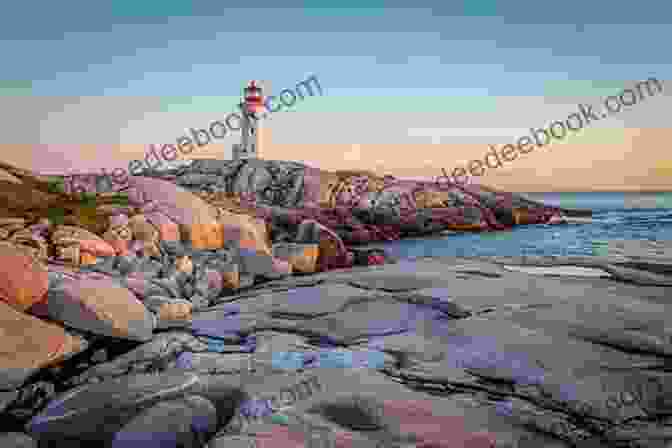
[[407, 90]]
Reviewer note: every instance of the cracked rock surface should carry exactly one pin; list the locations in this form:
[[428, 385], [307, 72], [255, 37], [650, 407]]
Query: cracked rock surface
[[436, 352], [190, 316]]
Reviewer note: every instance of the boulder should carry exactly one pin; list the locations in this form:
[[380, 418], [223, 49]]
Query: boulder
[[16, 199], [203, 236], [32, 239], [329, 183], [313, 182], [101, 306], [148, 235], [183, 422], [441, 431], [184, 264], [524, 216], [302, 257], [431, 199], [270, 182], [282, 267], [87, 242], [230, 276], [332, 251], [96, 411], [168, 309], [23, 280], [17, 440], [21, 222], [197, 220], [119, 234], [28, 344], [250, 231], [8, 177]]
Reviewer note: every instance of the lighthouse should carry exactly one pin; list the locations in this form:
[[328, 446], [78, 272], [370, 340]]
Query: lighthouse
[[253, 111]]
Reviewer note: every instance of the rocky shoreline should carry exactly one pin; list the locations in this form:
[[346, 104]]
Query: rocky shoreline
[[393, 347], [211, 293]]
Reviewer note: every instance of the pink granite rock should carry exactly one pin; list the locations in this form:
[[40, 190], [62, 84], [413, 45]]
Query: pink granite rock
[[28, 344], [197, 220], [167, 228], [178, 204], [311, 186], [23, 280], [99, 305], [118, 220], [87, 241], [434, 431], [332, 251], [282, 267]]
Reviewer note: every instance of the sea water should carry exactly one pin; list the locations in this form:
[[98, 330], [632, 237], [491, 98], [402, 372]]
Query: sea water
[[616, 216]]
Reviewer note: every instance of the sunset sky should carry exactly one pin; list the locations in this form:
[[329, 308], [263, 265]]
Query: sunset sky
[[407, 90]]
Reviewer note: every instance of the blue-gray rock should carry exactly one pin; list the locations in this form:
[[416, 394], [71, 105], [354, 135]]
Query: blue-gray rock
[[17, 440], [94, 412], [182, 423]]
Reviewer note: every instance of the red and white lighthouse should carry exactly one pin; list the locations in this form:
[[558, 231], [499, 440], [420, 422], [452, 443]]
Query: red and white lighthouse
[[254, 98], [254, 110]]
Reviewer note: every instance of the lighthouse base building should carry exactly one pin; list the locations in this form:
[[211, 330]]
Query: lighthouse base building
[[241, 152]]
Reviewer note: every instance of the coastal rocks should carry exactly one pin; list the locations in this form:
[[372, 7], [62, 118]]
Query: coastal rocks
[[281, 268], [203, 236], [119, 235], [21, 356], [374, 208], [393, 200], [36, 243], [10, 225], [302, 257], [462, 219], [250, 232], [402, 354], [214, 363], [168, 309], [271, 182], [197, 219], [145, 358], [23, 280], [328, 182], [17, 199], [79, 246], [169, 230], [149, 236], [95, 412], [230, 275], [648, 256], [332, 251], [523, 216], [16, 440], [100, 306], [431, 199], [8, 177], [430, 353], [419, 417], [186, 422]]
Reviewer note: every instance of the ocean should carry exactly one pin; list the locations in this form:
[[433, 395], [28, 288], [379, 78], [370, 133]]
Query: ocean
[[630, 216]]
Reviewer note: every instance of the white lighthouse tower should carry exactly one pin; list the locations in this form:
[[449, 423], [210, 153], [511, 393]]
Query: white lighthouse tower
[[252, 108]]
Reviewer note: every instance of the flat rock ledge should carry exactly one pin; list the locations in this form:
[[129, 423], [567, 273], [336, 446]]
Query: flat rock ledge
[[432, 352]]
